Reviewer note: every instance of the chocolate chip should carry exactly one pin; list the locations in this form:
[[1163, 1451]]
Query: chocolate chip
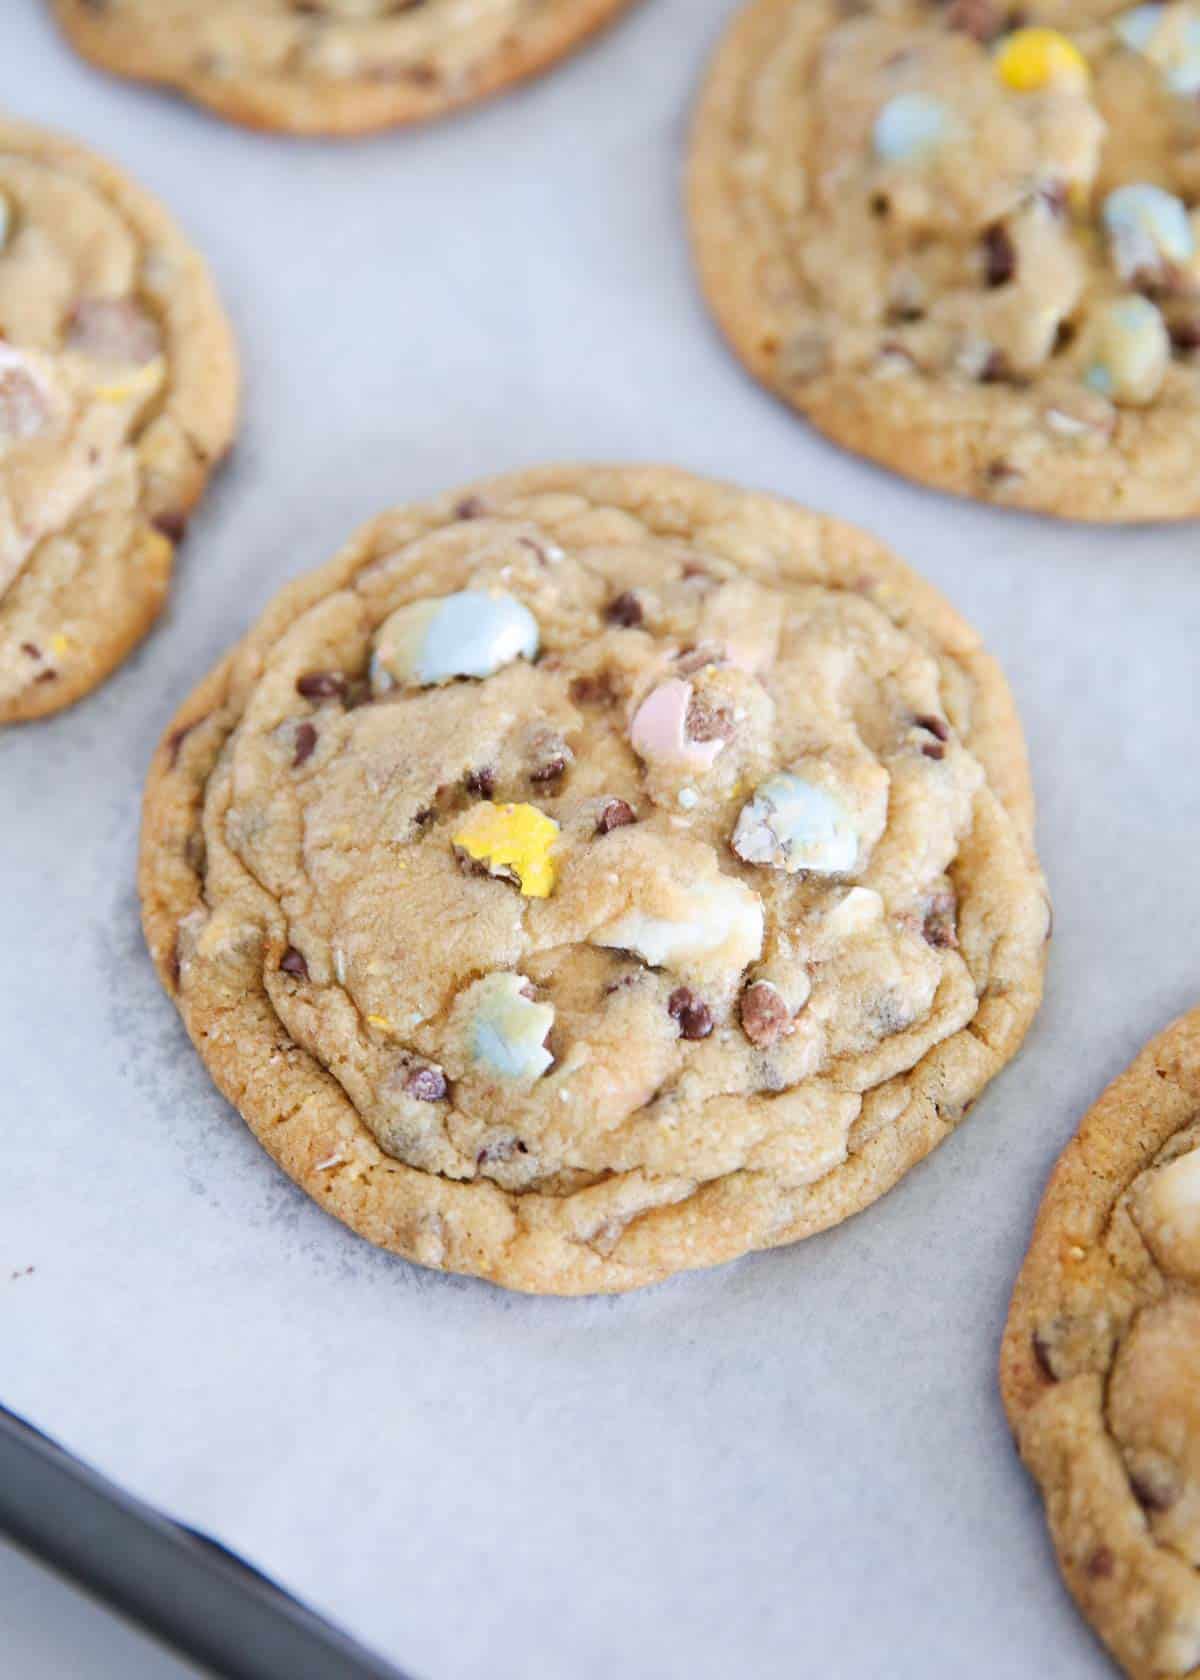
[[934, 750], [994, 369], [1185, 334], [471, 507], [174, 962], [46, 676], [481, 782], [171, 524], [306, 740], [424, 817], [939, 927], [694, 1017], [30, 651], [1043, 1354], [426, 1084], [706, 722], [616, 814], [321, 685], [765, 1016], [292, 962], [977, 18], [935, 725], [625, 610], [595, 689], [1101, 1564], [550, 771], [998, 474]]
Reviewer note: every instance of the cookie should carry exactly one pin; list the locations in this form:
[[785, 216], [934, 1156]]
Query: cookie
[[960, 238], [597, 873], [331, 66], [118, 385], [1101, 1361]]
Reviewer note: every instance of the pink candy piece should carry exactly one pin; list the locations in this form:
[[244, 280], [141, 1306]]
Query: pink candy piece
[[659, 729]]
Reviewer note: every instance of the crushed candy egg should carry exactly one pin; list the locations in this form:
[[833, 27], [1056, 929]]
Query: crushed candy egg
[[515, 842], [473, 633], [1031, 59], [725, 915], [1168, 1213], [508, 1028], [1129, 349], [1147, 229], [658, 732], [910, 126], [792, 824], [1169, 36]]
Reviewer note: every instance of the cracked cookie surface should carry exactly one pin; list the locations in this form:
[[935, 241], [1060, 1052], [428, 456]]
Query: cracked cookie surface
[[1100, 1368], [960, 237], [331, 66], [118, 385], [598, 873]]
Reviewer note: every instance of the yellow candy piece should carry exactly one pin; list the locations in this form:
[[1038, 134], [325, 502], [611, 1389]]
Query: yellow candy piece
[[514, 839], [139, 384], [1035, 58]]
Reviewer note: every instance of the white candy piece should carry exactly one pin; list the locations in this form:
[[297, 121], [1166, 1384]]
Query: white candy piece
[[471, 634], [1169, 36], [1147, 228], [861, 908], [508, 1029], [725, 916], [1129, 351], [1169, 1213], [910, 126], [792, 824]]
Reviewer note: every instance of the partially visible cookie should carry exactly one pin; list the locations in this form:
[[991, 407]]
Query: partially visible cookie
[[1101, 1362], [961, 236], [118, 385], [331, 66], [598, 873]]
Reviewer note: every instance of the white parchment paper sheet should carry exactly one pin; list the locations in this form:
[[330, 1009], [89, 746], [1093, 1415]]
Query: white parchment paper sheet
[[796, 1465]]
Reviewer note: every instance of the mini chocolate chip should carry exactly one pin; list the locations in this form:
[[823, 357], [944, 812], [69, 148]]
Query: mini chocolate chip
[[174, 962], [694, 1017], [550, 771], [426, 1084], [502, 1151], [934, 750], [939, 927], [321, 685], [1185, 335], [765, 1016], [46, 676], [292, 962], [1000, 473], [424, 817], [616, 814], [879, 204], [1101, 1564], [994, 369], [706, 722], [171, 524], [30, 650], [977, 18], [471, 507], [625, 610], [481, 782], [935, 725], [306, 740], [595, 689], [1042, 1354], [999, 254]]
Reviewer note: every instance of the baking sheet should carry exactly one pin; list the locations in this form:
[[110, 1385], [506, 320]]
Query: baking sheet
[[793, 1465]]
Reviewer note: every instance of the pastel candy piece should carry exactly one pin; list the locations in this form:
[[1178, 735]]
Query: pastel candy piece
[[1168, 1214], [471, 634], [792, 824], [1032, 59], [1147, 227], [724, 916], [659, 729], [508, 1030], [512, 840], [910, 126], [1169, 36], [1129, 351]]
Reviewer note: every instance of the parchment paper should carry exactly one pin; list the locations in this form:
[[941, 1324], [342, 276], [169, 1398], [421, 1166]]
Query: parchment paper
[[795, 1465]]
